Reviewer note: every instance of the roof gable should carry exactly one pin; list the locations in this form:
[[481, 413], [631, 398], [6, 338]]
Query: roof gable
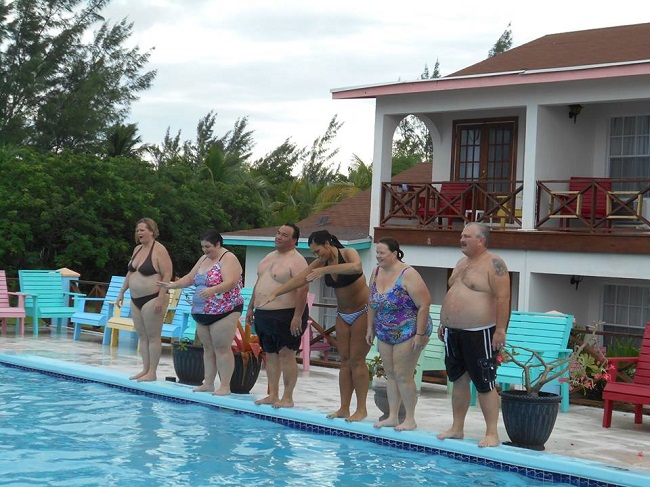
[[621, 44]]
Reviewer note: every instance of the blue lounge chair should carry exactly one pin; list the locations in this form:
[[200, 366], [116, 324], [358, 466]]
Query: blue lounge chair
[[83, 317]]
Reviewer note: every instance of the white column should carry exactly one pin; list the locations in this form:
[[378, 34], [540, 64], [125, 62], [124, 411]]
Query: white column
[[530, 173], [382, 162]]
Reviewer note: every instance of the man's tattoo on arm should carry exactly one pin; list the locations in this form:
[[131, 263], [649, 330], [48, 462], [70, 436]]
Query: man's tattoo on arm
[[499, 267]]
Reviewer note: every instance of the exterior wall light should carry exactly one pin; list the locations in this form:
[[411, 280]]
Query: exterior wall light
[[574, 111]]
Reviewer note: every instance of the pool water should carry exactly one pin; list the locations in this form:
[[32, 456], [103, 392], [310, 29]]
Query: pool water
[[56, 431]]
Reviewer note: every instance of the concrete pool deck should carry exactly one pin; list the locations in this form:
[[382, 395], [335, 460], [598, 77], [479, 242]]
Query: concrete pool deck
[[577, 434]]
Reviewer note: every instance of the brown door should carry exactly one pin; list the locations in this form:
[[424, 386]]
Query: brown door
[[485, 152]]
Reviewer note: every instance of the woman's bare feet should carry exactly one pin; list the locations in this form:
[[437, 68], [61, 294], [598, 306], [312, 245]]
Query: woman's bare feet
[[341, 413], [148, 377], [283, 403], [451, 433], [386, 422], [489, 440], [203, 388], [222, 391], [407, 425], [138, 375], [359, 415], [267, 400]]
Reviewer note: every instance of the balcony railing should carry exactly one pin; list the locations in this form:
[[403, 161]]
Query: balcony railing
[[593, 205], [584, 205], [452, 204]]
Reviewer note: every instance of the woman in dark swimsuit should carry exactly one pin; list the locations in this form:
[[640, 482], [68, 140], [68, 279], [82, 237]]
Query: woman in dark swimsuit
[[343, 271], [149, 264]]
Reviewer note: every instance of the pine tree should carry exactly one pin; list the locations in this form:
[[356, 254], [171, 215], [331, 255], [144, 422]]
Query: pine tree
[[59, 90], [503, 44]]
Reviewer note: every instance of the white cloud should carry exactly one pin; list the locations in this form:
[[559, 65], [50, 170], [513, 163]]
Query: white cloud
[[275, 62]]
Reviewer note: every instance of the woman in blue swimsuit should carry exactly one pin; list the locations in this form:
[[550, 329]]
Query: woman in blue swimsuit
[[149, 264], [399, 318], [342, 270]]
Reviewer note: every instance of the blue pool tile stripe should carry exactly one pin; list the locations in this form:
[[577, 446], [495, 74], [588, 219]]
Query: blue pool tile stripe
[[535, 465]]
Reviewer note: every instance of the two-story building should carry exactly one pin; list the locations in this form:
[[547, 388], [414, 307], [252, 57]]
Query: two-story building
[[549, 144]]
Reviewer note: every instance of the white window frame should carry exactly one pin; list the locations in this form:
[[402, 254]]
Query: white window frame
[[628, 152], [643, 305]]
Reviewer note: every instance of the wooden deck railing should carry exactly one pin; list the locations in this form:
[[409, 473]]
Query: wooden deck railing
[[585, 205], [452, 204], [594, 205]]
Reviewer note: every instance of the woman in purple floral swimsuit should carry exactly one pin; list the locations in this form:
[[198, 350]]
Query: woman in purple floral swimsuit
[[399, 318]]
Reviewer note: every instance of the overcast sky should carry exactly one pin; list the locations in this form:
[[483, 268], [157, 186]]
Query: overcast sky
[[276, 61]]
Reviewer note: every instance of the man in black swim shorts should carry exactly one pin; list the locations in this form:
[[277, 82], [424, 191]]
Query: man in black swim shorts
[[474, 318], [280, 323]]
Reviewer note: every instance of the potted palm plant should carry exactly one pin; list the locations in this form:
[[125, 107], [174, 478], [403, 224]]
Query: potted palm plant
[[188, 360], [529, 415]]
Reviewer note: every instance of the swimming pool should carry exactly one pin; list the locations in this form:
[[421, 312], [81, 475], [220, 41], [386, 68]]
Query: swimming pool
[[176, 453]]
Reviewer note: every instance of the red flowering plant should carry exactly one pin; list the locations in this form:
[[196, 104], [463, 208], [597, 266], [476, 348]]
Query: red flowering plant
[[590, 370], [246, 341]]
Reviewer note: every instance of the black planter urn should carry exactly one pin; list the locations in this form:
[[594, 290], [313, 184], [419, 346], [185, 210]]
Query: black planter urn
[[529, 420], [247, 369], [381, 401], [188, 363]]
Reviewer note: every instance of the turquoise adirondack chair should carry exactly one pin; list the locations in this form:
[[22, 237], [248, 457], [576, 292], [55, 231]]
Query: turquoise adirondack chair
[[547, 334], [433, 355], [46, 297], [9, 311], [83, 317]]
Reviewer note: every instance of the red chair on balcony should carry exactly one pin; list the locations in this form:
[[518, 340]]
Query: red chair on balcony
[[451, 202], [586, 200], [636, 392]]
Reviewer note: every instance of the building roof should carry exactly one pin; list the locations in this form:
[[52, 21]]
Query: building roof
[[621, 44], [570, 56], [349, 220]]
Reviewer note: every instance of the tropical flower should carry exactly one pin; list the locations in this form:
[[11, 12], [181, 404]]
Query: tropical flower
[[590, 371]]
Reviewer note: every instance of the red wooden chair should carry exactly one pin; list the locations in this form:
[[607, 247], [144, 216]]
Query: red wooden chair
[[636, 392], [585, 200], [8, 311], [451, 202], [306, 345]]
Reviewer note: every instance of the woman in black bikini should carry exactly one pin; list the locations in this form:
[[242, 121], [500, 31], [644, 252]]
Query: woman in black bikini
[[343, 271], [149, 264]]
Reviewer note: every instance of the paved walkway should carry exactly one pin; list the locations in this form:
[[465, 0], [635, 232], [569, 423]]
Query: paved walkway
[[577, 434]]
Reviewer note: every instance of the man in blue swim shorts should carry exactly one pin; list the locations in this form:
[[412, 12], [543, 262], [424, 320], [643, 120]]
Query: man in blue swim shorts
[[474, 319], [281, 322]]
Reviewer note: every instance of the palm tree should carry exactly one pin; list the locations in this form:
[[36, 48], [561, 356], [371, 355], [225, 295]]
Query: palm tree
[[123, 140]]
